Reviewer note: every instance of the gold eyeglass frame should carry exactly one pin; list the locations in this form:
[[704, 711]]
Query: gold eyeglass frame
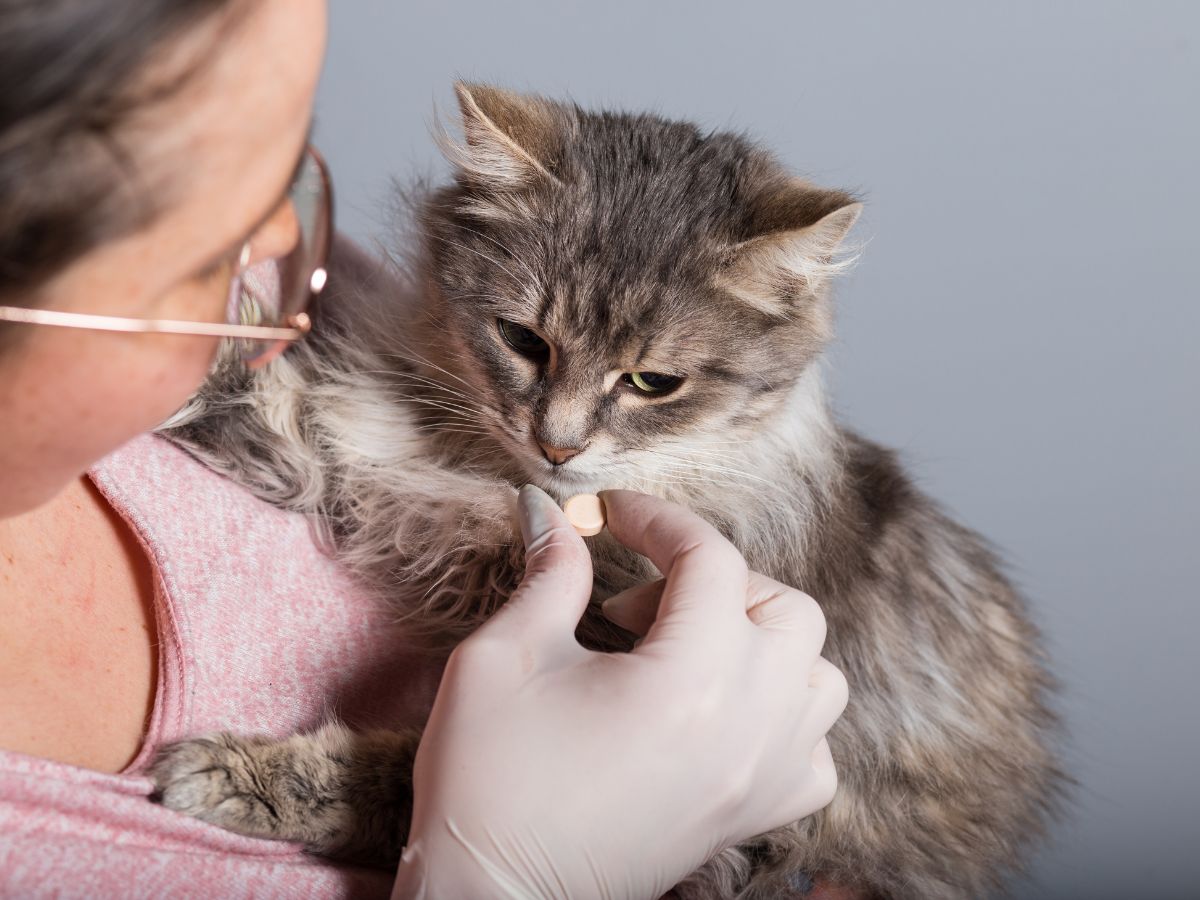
[[298, 324]]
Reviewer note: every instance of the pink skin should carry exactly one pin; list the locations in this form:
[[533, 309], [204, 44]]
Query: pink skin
[[229, 139]]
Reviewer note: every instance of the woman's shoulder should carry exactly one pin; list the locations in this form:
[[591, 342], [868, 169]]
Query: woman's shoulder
[[259, 629], [258, 632]]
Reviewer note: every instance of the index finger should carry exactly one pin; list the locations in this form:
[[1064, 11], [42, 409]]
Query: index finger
[[705, 575]]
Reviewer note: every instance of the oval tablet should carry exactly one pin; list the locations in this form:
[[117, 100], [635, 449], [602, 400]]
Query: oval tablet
[[586, 513]]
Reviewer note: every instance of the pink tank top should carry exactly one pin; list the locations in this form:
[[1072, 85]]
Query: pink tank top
[[258, 633]]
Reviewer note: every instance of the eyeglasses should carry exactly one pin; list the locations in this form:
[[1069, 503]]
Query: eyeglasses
[[267, 299]]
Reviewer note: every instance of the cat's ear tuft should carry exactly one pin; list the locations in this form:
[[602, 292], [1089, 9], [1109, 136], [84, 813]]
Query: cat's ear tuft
[[512, 139], [790, 261]]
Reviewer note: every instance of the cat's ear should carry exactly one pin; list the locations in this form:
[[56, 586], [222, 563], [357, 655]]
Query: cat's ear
[[511, 139], [797, 255]]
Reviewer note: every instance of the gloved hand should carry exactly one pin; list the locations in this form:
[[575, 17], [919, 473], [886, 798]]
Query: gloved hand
[[547, 770]]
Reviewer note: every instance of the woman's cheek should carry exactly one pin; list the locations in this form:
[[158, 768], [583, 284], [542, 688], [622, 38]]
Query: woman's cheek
[[180, 365]]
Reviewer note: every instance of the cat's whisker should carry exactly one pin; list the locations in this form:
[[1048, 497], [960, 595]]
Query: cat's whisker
[[639, 478], [459, 414], [679, 462], [434, 417], [532, 275], [424, 383], [466, 415], [401, 372], [457, 431], [427, 380], [725, 470], [692, 475], [718, 454], [725, 457], [473, 405], [417, 357], [454, 430], [449, 422], [481, 255], [646, 481], [426, 395], [450, 425], [420, 384], [686, 456], [705, 443], [443, 404]]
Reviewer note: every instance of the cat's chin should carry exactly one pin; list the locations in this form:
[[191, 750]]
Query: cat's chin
[[561, 481], [564, 481]]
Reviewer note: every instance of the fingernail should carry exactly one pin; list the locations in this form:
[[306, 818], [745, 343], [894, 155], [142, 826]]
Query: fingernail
[[537, 512]]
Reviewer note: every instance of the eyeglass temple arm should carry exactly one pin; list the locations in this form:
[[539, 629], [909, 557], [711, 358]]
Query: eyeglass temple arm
[[300, 324]]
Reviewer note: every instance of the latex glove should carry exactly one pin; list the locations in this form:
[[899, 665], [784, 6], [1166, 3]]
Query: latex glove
[[547, 770]]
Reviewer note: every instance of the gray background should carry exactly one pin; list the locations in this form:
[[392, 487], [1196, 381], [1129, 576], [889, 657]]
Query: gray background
[[1022, 325]]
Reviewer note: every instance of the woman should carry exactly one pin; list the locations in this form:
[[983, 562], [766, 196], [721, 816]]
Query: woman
[[145, 146]]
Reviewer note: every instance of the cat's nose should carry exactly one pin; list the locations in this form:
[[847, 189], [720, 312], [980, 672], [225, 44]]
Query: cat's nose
[[558, 455]]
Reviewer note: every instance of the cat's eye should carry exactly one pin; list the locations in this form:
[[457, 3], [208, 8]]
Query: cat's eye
[[524, 340], [654, 383]]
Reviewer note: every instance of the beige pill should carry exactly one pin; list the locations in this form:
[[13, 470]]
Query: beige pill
[[586, 513]]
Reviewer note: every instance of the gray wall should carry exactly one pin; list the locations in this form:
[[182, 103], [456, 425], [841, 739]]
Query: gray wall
[[1022, 326]]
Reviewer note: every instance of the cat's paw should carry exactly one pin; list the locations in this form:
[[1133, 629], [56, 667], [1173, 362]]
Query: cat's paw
[[339, 793], [216, 779]]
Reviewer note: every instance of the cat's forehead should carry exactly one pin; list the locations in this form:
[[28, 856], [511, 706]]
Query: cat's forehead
[[639, 189], [621, 288], [630, 325], [644, 209]]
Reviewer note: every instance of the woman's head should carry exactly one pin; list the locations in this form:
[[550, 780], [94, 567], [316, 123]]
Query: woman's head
[[141, 142], [75, 78]]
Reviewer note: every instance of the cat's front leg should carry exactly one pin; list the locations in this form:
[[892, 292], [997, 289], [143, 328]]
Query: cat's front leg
[[449, 548], [342, 794], [486, 563]]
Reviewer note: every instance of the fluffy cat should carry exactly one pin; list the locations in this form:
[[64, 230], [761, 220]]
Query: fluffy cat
[[608, 300]]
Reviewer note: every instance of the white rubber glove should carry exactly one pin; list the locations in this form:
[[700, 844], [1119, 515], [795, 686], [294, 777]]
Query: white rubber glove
[[547, 770]]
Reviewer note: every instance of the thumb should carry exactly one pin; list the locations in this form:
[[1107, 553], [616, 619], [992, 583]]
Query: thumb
[[554, 592], [635, 608]]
